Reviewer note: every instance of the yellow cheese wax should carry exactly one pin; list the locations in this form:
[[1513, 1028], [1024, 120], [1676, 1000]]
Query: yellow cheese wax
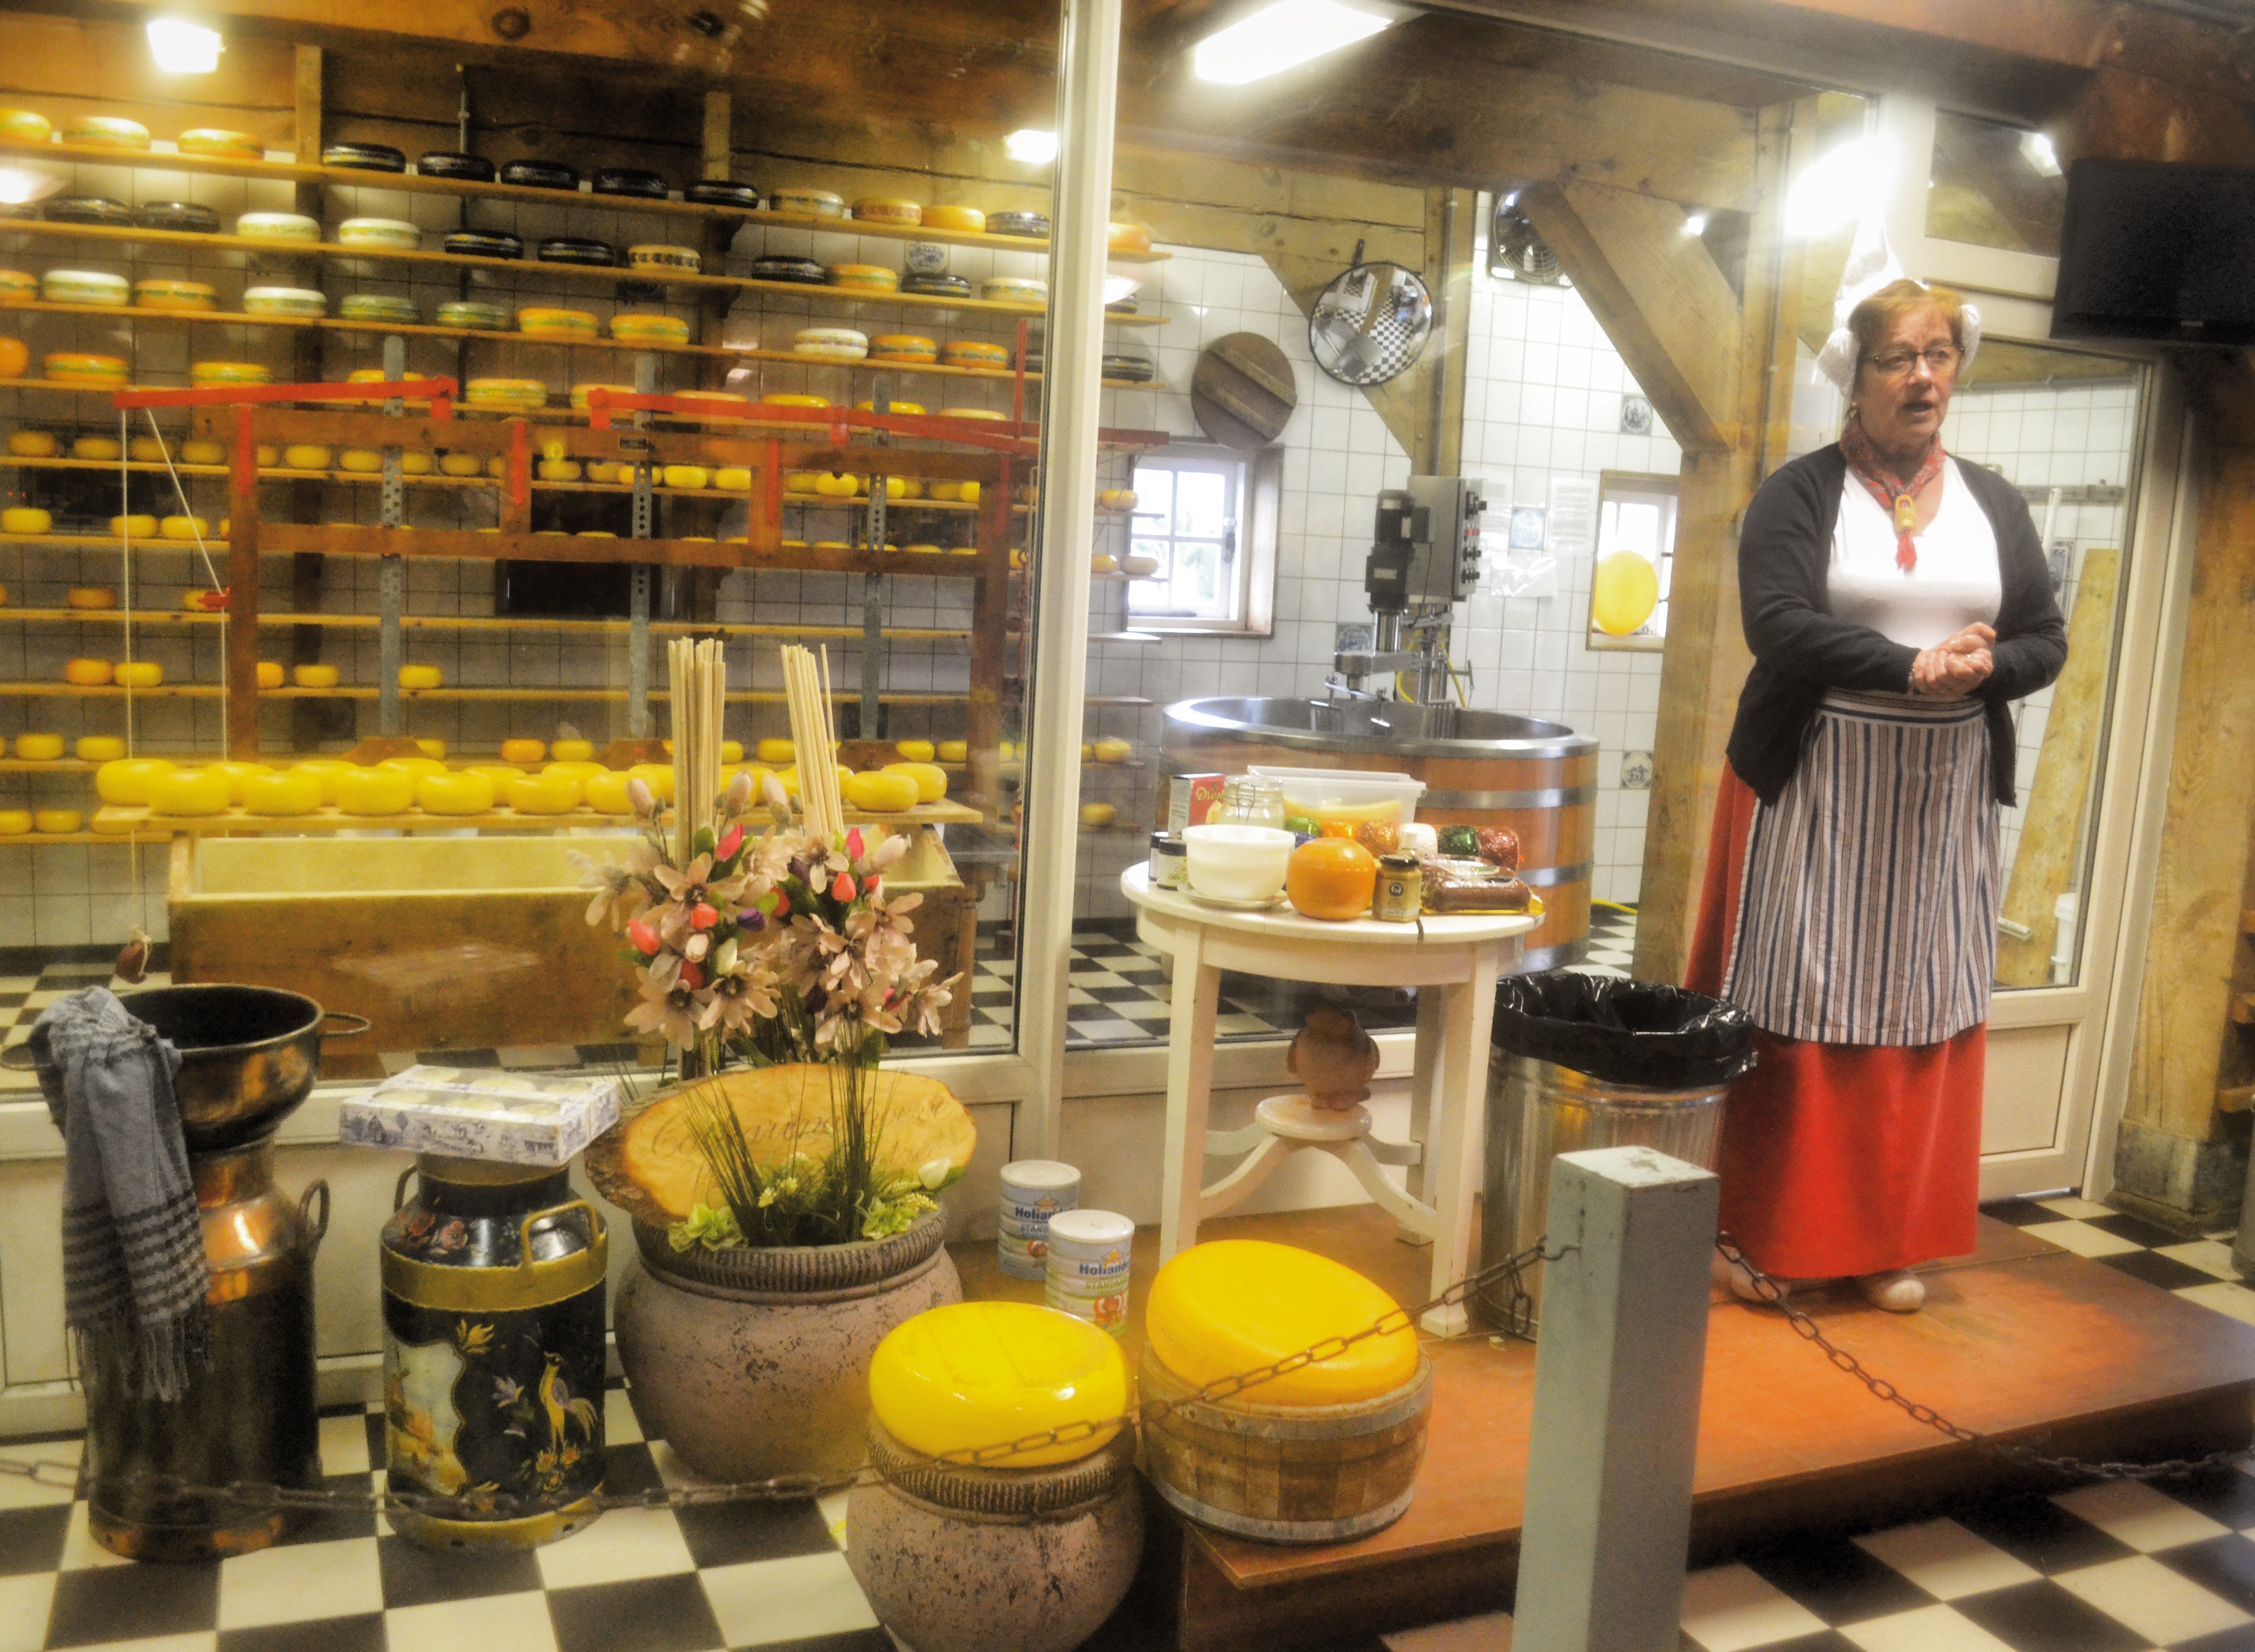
[[414, 768], [99, 749], [386, 788], [58, 820], [523, 751], [978, 1373], [15, 822], [1230, 1304], [325, 771], [138, 673], [269, 673], [606, 793], [573, 750], [38, 747], [658, 777], [86, 674], [777, 751], [189, 791], [879, 791], [419, 676], [549, 793], [930, 778], [575, 770], [314, 676], [293, 791], [125, 781], [464, 793]]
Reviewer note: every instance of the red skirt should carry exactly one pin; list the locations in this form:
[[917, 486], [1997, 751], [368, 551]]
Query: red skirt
[[1837, 1159]]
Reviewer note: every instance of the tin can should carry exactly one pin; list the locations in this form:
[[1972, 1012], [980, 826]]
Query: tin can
[[1023, 1258], [493, 1351], [1089, 1260], [1401, 889], [1169, 861]]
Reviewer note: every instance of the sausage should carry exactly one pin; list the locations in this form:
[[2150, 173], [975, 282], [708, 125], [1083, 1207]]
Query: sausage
[[1499, 846]]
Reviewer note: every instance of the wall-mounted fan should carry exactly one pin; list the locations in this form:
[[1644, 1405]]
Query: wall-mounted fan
[[1370, 324], [1513, 249]]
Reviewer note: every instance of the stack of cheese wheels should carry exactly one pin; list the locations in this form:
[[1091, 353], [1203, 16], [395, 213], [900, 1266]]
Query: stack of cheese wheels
[[1336, 1441]]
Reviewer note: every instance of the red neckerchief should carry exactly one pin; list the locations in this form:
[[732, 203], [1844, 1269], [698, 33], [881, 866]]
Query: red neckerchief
[[1898, 498]]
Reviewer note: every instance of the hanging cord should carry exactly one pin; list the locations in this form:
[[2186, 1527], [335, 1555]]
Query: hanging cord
[[132, 724], [211, 570]]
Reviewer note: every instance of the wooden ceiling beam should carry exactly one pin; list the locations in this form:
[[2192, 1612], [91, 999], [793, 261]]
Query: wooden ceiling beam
[[1659, 297]]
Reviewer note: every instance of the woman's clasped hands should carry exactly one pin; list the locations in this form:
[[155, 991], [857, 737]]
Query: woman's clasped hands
[[1955, 666]]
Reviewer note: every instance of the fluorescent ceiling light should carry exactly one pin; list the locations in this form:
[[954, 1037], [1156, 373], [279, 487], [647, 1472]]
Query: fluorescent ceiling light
[[1280, 37], [1032, 145], [183, 48], [1838, 186], [1695, 224], [2037, 151]]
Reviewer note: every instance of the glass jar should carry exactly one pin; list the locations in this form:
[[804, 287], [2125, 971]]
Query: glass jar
[[1260, 802]]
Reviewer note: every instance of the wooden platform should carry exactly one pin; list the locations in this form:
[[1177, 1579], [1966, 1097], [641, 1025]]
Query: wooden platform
[[2020, 1340]]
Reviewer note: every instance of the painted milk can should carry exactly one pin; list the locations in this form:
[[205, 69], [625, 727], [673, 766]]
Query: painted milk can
[[493, 1352]]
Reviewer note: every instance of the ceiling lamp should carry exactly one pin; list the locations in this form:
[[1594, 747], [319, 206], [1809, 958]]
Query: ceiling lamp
[[1283, 36], [1031, 145], [183, 48], [1838, 187]]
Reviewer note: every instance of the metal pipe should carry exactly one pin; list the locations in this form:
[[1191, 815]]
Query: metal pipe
[[1088, 75]]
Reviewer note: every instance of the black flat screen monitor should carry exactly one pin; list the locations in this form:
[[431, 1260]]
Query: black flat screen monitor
[[2152, 249]]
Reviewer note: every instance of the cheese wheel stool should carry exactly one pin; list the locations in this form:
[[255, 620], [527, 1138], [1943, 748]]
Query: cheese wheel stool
[[1034, 1554], [1324, 1454]]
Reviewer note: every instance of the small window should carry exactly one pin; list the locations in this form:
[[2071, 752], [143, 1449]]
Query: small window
[[1206, 516], [1636, 515]]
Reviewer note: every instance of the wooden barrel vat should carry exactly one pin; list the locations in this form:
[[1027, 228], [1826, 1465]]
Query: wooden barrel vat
[[1285, 1474], [1481, 769]]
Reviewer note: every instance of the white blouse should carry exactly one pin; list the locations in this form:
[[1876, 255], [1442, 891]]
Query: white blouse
[[1955, 584]]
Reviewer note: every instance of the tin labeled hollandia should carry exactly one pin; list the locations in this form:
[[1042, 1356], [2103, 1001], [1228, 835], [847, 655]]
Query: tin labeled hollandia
[[493, 1351]]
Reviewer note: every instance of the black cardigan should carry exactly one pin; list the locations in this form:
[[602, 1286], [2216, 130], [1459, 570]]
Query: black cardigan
[[1800, 650]]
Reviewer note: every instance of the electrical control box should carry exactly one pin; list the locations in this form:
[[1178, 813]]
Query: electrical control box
[[1425, 549]]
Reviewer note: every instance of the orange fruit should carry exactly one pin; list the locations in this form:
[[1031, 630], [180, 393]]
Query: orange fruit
[[1331, 878]]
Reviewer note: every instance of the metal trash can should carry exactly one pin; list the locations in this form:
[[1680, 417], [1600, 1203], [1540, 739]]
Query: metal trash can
[[1580, 1062]]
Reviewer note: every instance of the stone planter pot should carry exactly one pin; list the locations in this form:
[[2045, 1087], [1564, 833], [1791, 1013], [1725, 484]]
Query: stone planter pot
[[752, 1363], [969, 1559]]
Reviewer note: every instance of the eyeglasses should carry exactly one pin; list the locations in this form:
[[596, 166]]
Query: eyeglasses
[[1941, 361]]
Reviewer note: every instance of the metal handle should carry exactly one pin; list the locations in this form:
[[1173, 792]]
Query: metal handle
[[345, 1014], [305, 1202], [399, 1188], [524, 1226], [17, 1057]]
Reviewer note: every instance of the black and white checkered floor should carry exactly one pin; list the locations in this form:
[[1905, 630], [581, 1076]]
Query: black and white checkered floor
[[2119, 1568]]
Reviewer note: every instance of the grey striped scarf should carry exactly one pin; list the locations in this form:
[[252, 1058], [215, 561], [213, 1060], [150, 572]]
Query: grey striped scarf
[[134, 1275]]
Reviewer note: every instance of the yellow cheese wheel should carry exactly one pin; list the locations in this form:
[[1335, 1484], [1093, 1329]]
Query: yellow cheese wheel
[[38, 747], [837, 485], [237, 774], [414, 464], [981, 1374], [138, 673], [365, 461], [266, 456], [305, 456], [33, 444], [183, 528], [931, 779], [460, 464], [578, 770], [732, 478], [500, 773], [1231, 1304], [386, 788], [146, 449], [125, 781], [197, 451], [98, 749], [969, 220], [58, 821], [293, 791], [1096, 815], [606, 793], [414, 768], [658, 777], [269, 673], [559, 470], [430, 748], [777, 751], [420, 677], [954, 751], [99, 448], [732, 751], [90, 596], [189, 791], [15, 822], [541, 793], [24, 519], [523, 751], [325, 771], [314, 676], [686, 476], [463, 793], [881, 791], [86, 673], [915, 751], [1114, 751], [573, 750], [137, 526]]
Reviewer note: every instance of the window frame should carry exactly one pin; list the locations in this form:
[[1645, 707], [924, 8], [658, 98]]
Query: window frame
[[1613, 485], [1260, 506]]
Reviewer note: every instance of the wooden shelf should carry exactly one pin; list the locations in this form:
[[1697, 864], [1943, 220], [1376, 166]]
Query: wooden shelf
[[179, 241], [415, 183], [407, 696], [46, 766], [122, 820], [35, 839], [486, 622]]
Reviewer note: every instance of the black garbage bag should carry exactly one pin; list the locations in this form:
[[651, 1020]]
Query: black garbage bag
[[1624, 1031]]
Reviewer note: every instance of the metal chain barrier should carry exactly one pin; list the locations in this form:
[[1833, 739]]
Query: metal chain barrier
[[795, 1487], [1778, 1296]]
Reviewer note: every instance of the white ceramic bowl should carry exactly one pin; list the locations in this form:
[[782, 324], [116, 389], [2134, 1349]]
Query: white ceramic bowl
[[1238, 862]]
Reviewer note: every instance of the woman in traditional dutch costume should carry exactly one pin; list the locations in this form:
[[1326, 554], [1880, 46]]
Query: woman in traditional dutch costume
[[1896, 602]]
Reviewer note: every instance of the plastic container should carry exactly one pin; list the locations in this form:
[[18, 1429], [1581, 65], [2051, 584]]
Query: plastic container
[[1358, 794], [1237, 862]]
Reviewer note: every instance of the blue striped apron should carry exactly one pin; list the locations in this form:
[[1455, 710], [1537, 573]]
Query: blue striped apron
[[1867, 910]]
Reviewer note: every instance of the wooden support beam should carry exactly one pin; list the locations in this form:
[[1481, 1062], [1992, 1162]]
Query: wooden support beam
[[1659, 297], [311, 721], [2051, 841], [1706, 659]]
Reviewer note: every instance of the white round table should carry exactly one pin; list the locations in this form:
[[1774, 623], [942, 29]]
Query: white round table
[[1454, 962]]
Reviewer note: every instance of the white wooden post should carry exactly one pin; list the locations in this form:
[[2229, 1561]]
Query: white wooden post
[[1617, 1375]]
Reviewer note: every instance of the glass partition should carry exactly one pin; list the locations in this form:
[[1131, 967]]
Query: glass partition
[[1995, 185]]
